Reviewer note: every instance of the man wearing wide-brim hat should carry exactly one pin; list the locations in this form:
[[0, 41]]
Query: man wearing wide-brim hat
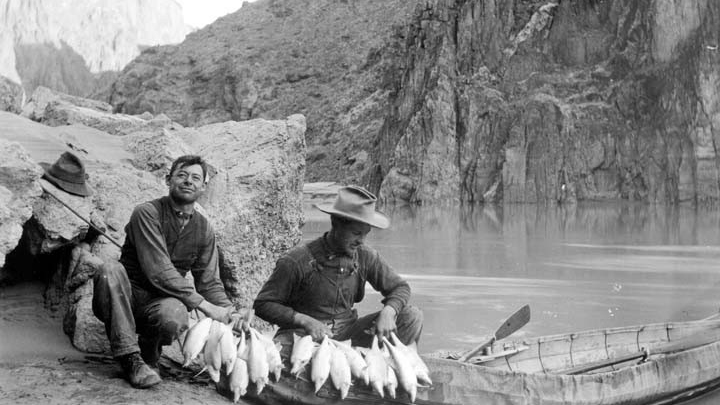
[[314, 286]]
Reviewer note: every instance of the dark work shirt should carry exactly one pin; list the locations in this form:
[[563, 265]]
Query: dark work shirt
[[158, 253], [316, 281]]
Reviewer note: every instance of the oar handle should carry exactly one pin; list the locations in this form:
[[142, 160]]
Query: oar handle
[[476, 350]]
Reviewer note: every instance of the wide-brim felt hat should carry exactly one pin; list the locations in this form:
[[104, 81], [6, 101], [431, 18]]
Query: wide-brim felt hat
[[357, 204], [68, 174]]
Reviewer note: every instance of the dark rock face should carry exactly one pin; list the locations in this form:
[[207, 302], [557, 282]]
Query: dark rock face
[[590, 100]]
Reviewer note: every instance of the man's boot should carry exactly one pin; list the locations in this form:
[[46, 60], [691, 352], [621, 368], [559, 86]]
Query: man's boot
[[150, 350], [137, 372]]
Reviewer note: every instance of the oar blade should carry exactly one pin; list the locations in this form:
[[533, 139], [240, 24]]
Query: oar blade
[[516, 321]]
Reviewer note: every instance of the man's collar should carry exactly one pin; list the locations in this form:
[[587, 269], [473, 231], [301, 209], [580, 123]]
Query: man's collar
[[183, 215], [332, 248], [178, 214]]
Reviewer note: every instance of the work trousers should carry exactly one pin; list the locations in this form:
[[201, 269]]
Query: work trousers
[[409, 324], [127, 312]]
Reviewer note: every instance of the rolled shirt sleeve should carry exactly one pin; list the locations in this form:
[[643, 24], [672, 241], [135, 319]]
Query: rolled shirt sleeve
[[394, 289], [272, 303], [206, 272]]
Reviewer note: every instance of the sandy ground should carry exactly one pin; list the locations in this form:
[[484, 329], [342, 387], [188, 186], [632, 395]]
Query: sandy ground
[[39, 365]]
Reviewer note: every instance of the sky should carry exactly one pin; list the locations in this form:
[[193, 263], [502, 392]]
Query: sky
[[199, 13]]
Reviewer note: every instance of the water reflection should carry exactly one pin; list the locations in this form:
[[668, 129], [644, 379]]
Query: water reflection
[[579, 267]]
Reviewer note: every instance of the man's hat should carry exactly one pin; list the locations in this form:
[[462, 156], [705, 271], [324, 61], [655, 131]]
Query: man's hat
[[68, 174], [357, 204]]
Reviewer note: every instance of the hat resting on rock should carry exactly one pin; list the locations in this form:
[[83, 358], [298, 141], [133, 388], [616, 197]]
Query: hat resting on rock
[[68, 174], [357, 204]]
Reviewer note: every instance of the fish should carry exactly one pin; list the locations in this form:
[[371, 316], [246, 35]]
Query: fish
[[376, 368], [358, 366], [301, 353], [212, 351], [320, 364], [242, 346], [257, 361], [272, 349], [228, 348], [195, 340], [404, 369], [422, 372], [391, 382], [239, 379], [340, 371]]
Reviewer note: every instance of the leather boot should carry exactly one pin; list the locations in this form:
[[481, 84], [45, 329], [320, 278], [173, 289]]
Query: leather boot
[[150, 350], [137, 372]]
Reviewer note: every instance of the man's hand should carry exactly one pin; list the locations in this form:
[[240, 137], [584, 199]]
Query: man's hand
[[312, 326], [241, 319], [215, 312], [385, 322]]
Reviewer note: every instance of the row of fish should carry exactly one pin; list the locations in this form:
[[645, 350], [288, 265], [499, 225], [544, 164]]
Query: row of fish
[[254, 359], [384, 370], [244, 361]]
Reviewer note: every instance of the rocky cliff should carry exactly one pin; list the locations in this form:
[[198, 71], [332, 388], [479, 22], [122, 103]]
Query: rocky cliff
[[64, 44], [328, 60], [465, 100], [589, 100]]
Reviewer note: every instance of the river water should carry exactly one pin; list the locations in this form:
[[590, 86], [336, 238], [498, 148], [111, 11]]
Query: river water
[[584, 267]]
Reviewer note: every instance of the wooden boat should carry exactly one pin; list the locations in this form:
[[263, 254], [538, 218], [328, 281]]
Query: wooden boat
[[649, 364]]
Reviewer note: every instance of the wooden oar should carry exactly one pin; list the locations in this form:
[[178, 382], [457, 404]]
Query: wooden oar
[[77, 214], [516, 321], [686, 343]]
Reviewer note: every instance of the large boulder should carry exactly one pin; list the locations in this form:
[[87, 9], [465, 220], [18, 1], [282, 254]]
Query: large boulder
[[154, 151], [19, 190]]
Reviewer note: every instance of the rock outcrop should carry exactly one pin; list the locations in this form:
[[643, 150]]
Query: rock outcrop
[[254, 201], [328, 60], [64, 45], [11, 96], [56, 109]]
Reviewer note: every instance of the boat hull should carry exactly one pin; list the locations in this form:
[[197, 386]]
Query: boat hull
[[516, 380]]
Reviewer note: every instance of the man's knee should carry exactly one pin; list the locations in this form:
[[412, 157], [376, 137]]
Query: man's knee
[[111, 274], [172, 317], [109, 278], [410, 315], [410, 324]]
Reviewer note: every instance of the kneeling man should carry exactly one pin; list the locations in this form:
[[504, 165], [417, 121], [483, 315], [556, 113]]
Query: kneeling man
[[315, 285], [146, 293]]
